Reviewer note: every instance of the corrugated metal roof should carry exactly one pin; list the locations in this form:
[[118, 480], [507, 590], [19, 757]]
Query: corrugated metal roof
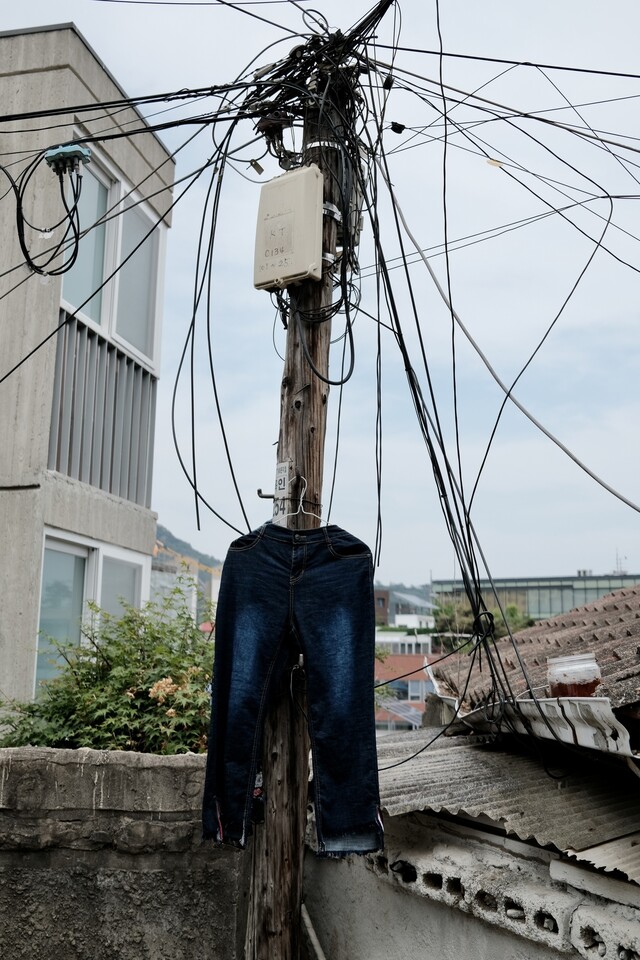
[[609, 628], [623, 853], [588, 811], [400, 710]]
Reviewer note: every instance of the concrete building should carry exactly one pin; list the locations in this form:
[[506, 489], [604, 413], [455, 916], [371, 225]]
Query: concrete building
[[539, 597], [77, 417], [401, 608], [198, 582]]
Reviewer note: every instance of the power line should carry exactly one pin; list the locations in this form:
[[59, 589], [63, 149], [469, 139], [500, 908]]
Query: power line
[[512, 63], [239, 6], [503, 386], [283, 91]]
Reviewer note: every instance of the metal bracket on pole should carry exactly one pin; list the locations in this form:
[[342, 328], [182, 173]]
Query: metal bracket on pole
[[331, 144], [330, 210]]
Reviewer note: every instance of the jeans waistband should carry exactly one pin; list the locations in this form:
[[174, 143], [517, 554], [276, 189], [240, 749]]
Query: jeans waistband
[[272, 531]]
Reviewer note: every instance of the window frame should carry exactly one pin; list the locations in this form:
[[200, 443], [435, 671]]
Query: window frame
[[109, 179], [94, 552], [119, 554], [121, 194], [131, 200]]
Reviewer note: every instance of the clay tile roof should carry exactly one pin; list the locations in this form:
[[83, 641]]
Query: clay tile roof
[[608, 628]]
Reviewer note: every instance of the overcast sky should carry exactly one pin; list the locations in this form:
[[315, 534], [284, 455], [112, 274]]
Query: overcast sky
[[536, 513]]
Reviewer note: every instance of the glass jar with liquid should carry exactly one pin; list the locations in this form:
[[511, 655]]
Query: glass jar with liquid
[[573, 676]]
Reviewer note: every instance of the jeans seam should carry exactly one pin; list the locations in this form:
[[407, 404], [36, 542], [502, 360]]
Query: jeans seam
[[257, 739], [298, 577]]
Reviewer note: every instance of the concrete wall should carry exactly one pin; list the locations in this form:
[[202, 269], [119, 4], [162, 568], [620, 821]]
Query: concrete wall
[[100, 859], [457, 893]]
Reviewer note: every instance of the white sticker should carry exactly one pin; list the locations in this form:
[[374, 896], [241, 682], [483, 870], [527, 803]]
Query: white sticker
[[280, 502]]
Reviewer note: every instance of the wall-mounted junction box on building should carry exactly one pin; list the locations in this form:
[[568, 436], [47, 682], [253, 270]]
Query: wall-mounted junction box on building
[[289, 230]]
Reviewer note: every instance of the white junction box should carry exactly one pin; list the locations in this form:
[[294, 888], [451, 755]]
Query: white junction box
[[289, 230]]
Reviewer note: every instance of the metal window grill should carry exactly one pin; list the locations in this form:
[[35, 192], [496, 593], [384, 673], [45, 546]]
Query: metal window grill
[[103, 415]]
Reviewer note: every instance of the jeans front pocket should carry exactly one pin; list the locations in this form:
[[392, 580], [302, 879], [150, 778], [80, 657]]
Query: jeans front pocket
[[247, 541], [344, 546]]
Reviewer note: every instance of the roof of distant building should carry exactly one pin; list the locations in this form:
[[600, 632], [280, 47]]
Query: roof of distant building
[[396, 665], [413, 600]]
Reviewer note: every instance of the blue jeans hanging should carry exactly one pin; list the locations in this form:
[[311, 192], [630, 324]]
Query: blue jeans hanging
[[315, 586]]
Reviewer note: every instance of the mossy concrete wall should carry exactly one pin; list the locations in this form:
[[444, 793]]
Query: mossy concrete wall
[[101, 859]]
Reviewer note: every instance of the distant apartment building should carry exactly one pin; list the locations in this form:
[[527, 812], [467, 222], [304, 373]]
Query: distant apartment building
[[77, 418], [402, 608], [198, 582]]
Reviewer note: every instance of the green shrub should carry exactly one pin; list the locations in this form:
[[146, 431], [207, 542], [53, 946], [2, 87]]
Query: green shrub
[[140, 681]]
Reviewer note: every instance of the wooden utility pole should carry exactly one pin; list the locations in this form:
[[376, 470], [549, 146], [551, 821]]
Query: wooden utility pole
[[273, 925]]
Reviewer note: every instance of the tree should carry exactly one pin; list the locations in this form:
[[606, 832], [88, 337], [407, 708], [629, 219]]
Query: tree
[[453, 616], [140, 681], [456, 617], [515, 619]]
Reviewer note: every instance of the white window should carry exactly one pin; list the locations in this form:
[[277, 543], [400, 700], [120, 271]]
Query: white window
[[120, 581], [86, 275], [137, 282], [62, 595], [76, 570], [126, 307], [416, 690]]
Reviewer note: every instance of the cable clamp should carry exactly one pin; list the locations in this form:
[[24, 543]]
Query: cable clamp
[[330, 210], [328, 258], [332, 144]]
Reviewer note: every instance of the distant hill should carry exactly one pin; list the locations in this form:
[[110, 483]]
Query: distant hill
[[185, 549]]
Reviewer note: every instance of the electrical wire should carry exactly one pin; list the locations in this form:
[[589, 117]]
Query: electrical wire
[[276, 99], [431, 663], [236, 5], [503, 692], [446, 727], [465, 545], [617, 494], [513, 63], [70, 218], [116, 209]]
